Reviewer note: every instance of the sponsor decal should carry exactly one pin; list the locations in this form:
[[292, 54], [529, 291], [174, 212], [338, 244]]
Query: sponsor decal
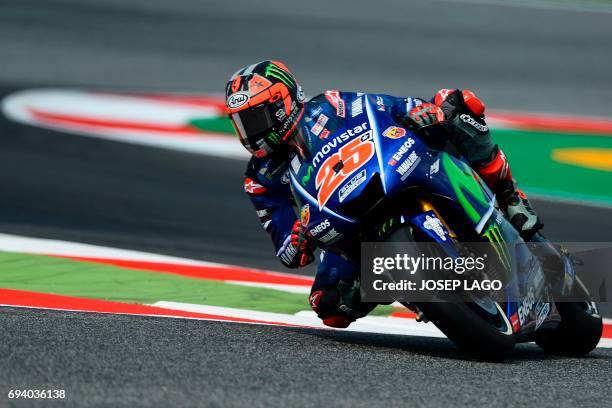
[[314, 299], [292, 119], [514, 320], [408, 165], [258, 83], [288, 254], [526, 306], [300, 94], [319, 125], [305, 215], [262, 213], [338, 140], [542, 310], [357, 107], [237, 100], [380, 104], [433, 169], [470, 121], [251, 187], [412, 103], [331, 235], [263, 149], [394, 132], [404, 148], [349, 187], [306, 177], [272, 71], [280, 114], [336, 101], [295, 164], [324, 134], [351, 157], [274, 137], [434, 224], [316, 111], [320, 228]]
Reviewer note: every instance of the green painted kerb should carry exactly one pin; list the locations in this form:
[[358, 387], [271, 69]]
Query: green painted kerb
[[83, 279], [219, 125]]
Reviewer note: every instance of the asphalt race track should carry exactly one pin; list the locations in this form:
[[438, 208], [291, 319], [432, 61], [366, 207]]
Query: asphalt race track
[[95, 191], [138, 361]]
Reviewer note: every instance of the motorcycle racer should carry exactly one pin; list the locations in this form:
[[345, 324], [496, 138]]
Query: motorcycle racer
[[270, 114]]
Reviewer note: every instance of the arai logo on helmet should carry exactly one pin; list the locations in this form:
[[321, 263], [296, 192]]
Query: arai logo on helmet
[[237, 100]]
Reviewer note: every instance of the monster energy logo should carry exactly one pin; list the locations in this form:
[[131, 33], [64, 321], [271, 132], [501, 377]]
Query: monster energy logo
[[275, 72], [274, 137], [385, 227], [493, 234]]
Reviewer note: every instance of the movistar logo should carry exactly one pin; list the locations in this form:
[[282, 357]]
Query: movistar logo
[[306, 177], [275, 72]]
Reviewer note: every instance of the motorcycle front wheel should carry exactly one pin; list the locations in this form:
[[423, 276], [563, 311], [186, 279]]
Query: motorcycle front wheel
[[479, 328]]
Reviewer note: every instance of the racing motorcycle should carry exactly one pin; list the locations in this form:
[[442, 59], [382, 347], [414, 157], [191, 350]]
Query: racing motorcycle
[[370, 180]]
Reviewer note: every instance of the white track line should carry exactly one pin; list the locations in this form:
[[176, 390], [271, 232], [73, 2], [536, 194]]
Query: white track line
[[369, 324], [42, 246]]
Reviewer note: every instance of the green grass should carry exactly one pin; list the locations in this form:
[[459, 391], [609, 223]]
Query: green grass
[[46, 274]]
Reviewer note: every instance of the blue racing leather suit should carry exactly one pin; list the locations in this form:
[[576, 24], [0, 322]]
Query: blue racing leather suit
[[267, 179]]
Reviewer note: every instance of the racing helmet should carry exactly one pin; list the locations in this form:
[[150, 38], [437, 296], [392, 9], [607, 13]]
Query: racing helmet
[[265, 104]]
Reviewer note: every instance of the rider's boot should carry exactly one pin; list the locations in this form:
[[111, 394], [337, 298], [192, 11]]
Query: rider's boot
[[496, 174]]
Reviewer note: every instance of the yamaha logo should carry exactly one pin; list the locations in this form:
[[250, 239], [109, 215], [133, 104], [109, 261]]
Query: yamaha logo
[[237, 100]]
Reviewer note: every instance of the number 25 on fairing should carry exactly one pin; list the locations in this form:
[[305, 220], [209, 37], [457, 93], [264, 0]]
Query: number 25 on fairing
[[352, 156]]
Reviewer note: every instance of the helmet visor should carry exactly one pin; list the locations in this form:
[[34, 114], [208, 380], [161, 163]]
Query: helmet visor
[[252, 123]]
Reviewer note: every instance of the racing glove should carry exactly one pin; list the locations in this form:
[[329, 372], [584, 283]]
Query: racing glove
[[341, 305], [298, 248], [424, 115], [465, 124]]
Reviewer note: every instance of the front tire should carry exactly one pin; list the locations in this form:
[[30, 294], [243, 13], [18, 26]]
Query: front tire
[[580, 329], [480, 329], [465, 327]]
